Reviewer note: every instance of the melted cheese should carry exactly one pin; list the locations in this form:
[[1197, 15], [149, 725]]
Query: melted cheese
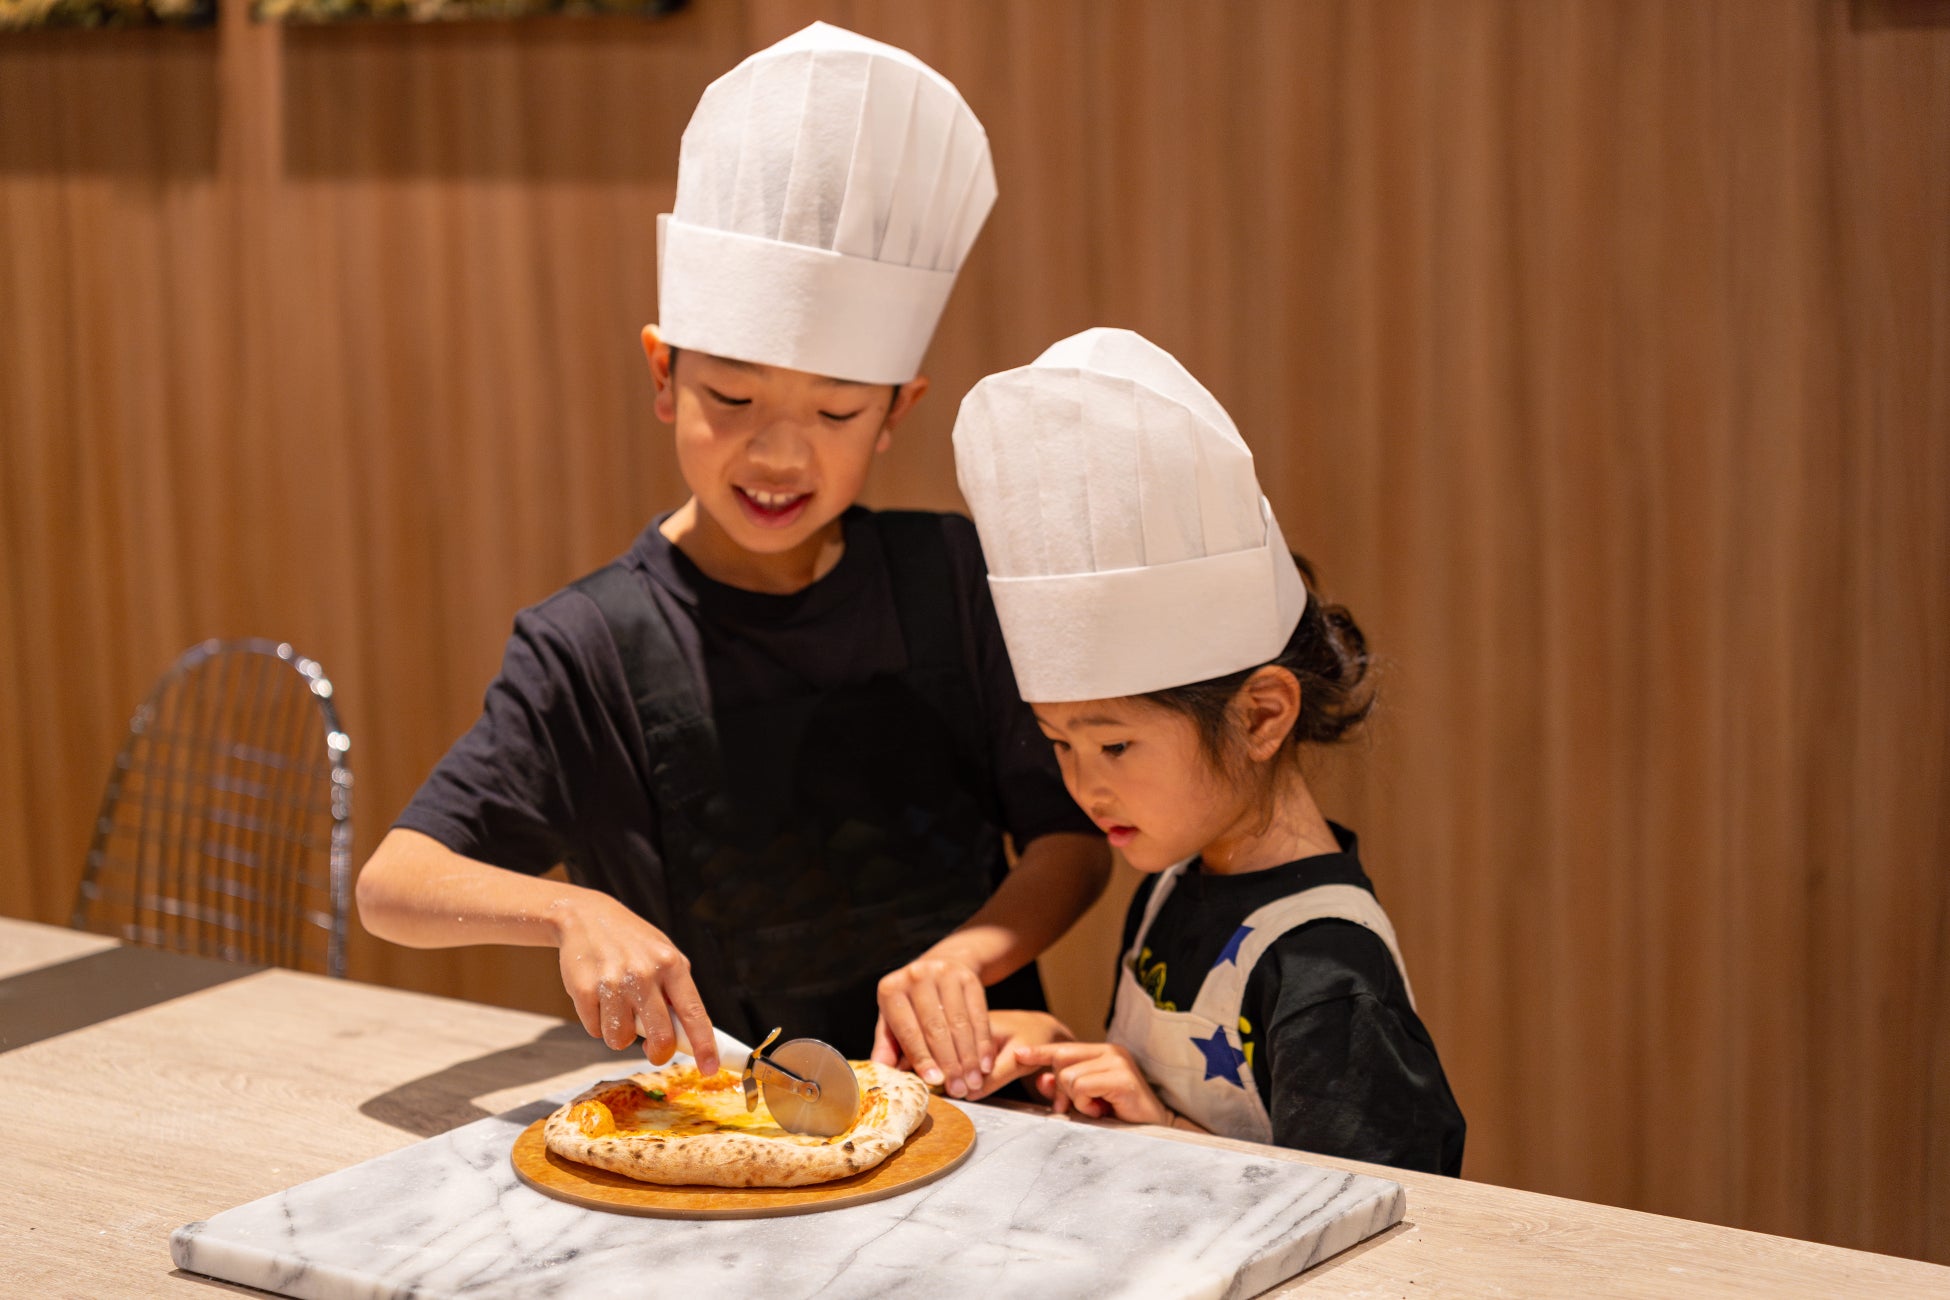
[[693, 1106]]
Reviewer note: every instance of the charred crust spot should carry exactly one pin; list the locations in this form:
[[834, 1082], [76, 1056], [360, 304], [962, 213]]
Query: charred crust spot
[[848, 1146]]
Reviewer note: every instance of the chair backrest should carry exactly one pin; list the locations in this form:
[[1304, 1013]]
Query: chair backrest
[[226, 826]]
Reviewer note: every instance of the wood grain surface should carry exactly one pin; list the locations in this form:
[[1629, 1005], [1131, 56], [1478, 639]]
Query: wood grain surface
[[1598, 351], [941, 1143], [266, 1082]]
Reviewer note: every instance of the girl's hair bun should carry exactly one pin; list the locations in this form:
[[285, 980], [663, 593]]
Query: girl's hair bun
[[1329, 656]]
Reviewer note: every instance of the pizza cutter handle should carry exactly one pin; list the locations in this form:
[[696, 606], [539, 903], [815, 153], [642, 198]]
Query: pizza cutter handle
[[732, 1054], [778, 1075]]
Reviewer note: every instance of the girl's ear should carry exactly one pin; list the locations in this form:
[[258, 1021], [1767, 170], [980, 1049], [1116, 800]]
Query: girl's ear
[[1268, 708]]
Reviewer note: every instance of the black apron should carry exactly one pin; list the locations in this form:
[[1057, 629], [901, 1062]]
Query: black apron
[[814, 843]]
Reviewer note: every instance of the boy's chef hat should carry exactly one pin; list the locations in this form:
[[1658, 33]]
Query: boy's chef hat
[[828, 189], [1129, 548]]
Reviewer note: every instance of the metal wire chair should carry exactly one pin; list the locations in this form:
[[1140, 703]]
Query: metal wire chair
[[226, 826]]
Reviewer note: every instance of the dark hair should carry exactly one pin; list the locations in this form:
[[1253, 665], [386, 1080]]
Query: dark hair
[[1329, 656]]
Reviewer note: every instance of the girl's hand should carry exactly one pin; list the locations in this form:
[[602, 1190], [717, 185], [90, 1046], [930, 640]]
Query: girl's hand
[[934, 1013], [1014, 1032], [1097, 1079], [626, 978]]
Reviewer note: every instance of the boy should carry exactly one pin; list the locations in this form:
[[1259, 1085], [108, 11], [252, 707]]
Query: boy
[[776, 743]]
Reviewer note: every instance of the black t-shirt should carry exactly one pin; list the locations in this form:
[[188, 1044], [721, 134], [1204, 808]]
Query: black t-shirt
[[556, 768], [1341, 1060]]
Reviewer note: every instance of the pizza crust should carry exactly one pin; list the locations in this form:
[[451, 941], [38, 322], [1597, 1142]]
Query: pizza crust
[[892, 1105]]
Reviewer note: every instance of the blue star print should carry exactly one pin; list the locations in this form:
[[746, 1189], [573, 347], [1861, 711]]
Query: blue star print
[[1231, 951], [1222, 1059]]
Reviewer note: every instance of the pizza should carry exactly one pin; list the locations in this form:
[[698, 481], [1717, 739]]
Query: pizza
[[673, 1127]]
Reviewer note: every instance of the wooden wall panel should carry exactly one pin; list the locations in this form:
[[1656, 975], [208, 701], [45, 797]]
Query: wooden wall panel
[[1596, 351]]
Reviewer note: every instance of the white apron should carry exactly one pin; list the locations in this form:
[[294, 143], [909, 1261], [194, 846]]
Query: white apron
[[1194, 1059]]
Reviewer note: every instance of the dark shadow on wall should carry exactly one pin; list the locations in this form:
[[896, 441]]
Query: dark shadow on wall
[[1871, 15], [138, 104], [552, 99]]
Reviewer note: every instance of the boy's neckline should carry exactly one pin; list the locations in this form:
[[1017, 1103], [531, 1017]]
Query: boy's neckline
[[691, 534], [838, 589]]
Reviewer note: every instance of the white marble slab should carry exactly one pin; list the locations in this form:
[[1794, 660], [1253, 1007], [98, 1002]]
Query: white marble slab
[[1041, 1208]]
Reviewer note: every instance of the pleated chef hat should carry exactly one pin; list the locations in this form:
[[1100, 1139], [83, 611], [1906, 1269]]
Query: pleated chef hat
[[1129, 548], [828, 189]]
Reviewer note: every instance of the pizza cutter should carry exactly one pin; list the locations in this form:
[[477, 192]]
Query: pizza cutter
[[808, 1085]]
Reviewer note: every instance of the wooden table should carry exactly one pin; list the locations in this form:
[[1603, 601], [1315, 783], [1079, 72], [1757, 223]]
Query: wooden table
[[189, 1088]]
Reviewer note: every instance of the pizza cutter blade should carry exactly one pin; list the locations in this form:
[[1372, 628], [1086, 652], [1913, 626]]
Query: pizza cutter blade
[[808, 1085], [835, 1102]]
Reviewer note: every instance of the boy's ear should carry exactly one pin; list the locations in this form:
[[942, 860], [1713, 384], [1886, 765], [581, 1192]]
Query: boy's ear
[[657, 353], [911, 392], [1269, 705]]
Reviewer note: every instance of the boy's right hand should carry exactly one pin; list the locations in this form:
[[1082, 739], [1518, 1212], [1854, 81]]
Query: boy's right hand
[[626, 978]]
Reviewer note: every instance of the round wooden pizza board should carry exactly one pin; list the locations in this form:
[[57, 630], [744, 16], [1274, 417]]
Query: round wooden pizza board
[[942, 1142]]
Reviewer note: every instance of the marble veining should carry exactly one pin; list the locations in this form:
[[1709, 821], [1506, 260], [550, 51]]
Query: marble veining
[[1041, 1207]]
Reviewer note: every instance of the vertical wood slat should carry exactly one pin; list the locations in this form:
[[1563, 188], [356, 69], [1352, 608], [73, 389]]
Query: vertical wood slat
[[1595, 351]]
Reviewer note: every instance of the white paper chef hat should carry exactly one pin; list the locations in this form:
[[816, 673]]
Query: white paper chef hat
[[1129, 548], [828, 189]]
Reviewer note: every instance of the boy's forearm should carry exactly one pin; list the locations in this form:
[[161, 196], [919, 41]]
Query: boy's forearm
[[1055, 880], [417, 892]]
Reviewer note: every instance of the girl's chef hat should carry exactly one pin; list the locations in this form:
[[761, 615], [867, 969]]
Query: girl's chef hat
[[828, 189], [1129, 548]]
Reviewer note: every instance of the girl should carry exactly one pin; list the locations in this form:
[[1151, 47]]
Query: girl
[[1177, 662]]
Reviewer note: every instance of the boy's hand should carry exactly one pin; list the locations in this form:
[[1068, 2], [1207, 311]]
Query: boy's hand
[[626, 978], [934, 1014], [1015, 1031], [1096, 1079]]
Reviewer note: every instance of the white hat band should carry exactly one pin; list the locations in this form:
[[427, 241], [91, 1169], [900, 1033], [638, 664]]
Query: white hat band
[[1099, 636], [792, 305]]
